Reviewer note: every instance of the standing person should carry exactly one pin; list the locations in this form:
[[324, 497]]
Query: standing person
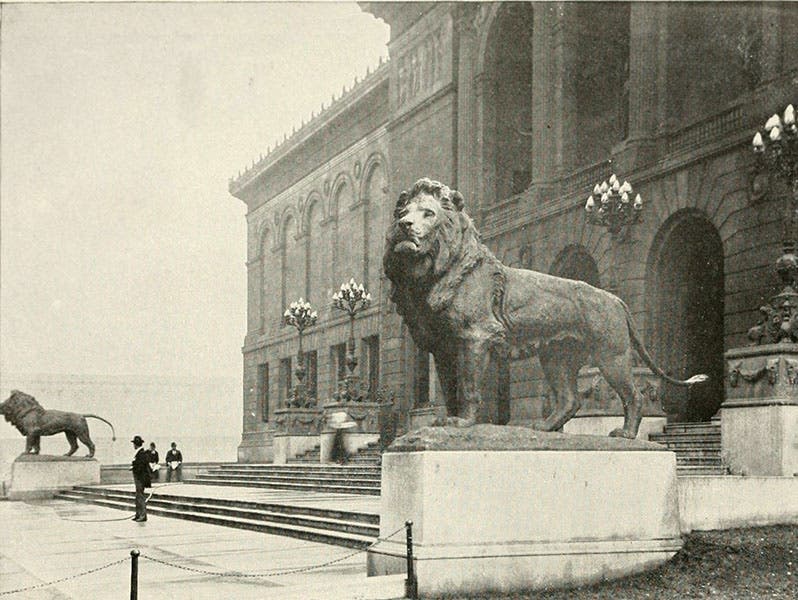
[[155, 461], [141, 477], [174, 463]]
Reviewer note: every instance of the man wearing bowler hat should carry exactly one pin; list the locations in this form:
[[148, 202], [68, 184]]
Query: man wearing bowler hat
[[141, 477]]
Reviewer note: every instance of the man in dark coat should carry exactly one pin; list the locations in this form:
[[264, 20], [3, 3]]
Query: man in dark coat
[[141, 477]]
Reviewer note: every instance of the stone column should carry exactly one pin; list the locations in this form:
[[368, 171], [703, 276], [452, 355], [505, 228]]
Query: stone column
[[468, 135], [563, 100], [647, 85], [543, 110]]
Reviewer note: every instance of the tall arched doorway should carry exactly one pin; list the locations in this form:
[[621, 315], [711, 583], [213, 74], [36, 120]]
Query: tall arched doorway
[[685, 288]]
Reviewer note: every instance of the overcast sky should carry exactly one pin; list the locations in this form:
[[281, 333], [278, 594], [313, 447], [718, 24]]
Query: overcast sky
[[121, 250]]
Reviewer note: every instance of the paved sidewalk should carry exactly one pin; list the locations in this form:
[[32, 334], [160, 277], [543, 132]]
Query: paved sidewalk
[[46, 541], [325, 500]]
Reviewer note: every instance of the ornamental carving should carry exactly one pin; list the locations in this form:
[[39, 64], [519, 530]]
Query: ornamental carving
[[298, 421], [420, 69], [752, 375]]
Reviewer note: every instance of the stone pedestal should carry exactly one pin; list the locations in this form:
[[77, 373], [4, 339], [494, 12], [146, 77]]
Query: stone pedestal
[[366, 416], [602, 410], [41, 476], [759, 419], [296, 430], [500, 509]]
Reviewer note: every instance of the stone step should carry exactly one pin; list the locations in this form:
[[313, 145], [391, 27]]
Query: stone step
[[689, 471], [345, 488], [698, 460], [331, 469], [703, 427], [338, 532], [685, 436], [321, 478]]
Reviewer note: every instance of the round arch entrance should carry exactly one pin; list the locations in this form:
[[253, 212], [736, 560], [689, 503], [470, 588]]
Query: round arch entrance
[[684, 288], [575, 262]]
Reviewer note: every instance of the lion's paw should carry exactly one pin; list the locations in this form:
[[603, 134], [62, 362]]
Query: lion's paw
[[622, 433]]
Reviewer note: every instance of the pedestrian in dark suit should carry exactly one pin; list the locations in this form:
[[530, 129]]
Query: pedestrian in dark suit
[[141, 477]]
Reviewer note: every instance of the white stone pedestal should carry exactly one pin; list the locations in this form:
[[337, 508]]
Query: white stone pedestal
[[296, 431], [759, 419], [42, 476], [498, 509]]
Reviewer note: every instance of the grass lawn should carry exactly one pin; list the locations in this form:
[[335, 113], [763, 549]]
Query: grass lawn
[[757, 562]]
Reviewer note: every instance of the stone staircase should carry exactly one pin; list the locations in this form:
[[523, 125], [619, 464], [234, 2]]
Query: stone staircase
[[368, 455], [697, 447], [328, 526], [339, 479]]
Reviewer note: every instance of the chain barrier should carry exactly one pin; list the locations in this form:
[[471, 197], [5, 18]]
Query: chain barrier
[[63, 579], [275, 573], [272, 573]]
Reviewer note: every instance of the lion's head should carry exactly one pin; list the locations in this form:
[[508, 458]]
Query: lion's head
[[427, 233], [17, 406]]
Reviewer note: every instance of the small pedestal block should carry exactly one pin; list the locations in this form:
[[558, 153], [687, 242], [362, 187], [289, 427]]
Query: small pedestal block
[[602, 410], [42, 476], [759, 419], [296, 430], [501, 509]]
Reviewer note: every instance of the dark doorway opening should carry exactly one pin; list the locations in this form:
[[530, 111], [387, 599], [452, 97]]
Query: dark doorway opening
[[685, 327]]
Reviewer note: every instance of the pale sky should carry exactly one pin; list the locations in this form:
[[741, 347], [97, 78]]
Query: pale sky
[[121, 251]]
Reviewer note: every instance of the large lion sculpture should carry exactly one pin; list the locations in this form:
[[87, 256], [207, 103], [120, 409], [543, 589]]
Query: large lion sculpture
[[461, 304], [33, 421]]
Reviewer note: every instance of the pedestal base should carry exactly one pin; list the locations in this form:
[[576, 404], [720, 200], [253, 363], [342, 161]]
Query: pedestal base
[[760, 439], [498, 509], [41, 476], [603, 424]]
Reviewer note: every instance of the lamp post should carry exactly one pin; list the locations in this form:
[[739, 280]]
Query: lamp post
[[611, 206], [300, 315], [351, 299], [776, 147]]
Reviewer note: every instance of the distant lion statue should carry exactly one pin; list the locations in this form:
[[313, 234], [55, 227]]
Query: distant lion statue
[[34, 421], [462, 304]]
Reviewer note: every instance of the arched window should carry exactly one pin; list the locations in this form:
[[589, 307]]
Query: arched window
[[376, 204], [293, 263], [318, 255], [507, 104], [349, 236]]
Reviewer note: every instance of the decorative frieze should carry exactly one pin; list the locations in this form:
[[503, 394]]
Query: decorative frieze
[[298, 421], [423, 64]]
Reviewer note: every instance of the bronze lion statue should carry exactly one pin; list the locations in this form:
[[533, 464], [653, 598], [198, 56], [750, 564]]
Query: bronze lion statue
[[33, 421], [461, 304]]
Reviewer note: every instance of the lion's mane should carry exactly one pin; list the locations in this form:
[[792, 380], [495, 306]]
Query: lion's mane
[[18, 406], [455, 252]]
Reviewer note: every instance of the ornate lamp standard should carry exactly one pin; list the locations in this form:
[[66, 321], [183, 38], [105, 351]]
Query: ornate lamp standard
[[776, 147], [352, 298], [611, 206], [301, 315]]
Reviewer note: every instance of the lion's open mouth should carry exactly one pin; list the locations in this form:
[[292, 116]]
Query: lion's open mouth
[[405, 246]]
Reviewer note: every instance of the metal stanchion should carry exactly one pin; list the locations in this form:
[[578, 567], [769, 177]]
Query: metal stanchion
[[411, 583], [134, 574]]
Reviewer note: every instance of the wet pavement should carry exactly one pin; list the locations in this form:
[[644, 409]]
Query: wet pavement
[[59, 540]]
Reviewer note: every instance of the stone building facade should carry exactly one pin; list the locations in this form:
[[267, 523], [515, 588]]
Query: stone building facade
[[523, 107]]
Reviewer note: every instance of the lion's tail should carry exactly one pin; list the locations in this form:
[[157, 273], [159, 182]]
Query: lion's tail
[[641, 350], [113, 433]]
